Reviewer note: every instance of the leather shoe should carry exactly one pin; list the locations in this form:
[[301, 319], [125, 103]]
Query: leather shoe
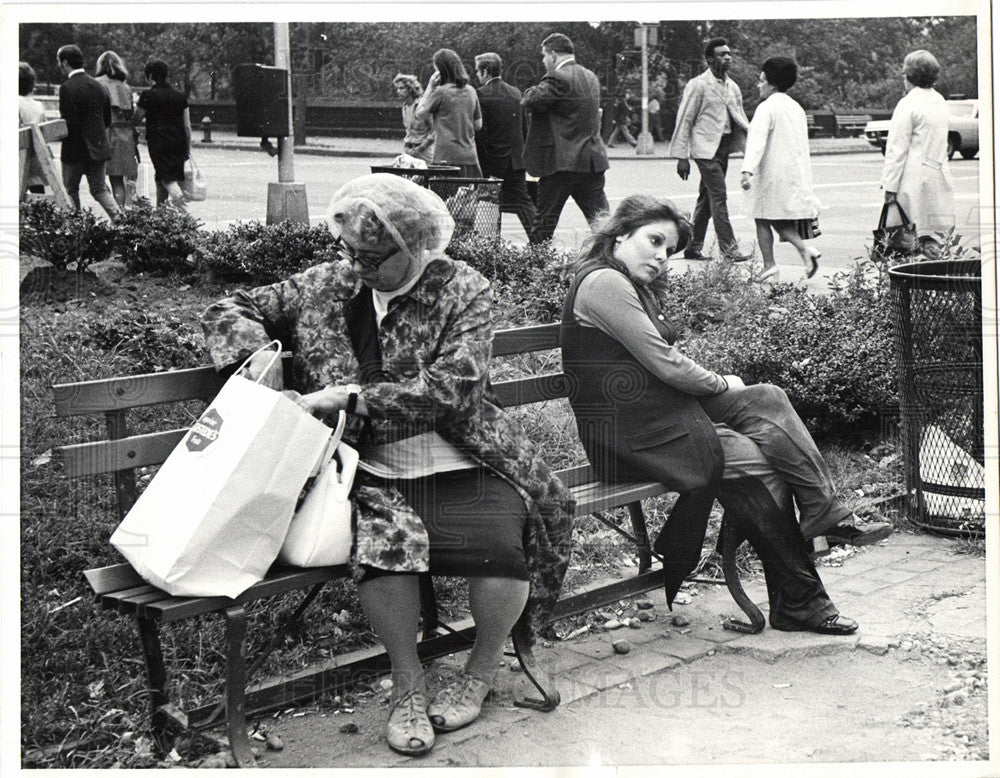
[[857, 532], [738, 257], [409, 730], [834, 625], [696, 255], [458, 704]]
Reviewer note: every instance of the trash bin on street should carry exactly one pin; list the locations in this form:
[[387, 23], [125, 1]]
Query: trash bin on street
[[937, 319], [474, 203]]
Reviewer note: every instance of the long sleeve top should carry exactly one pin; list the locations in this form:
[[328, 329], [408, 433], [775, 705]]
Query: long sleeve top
[[607, 300]]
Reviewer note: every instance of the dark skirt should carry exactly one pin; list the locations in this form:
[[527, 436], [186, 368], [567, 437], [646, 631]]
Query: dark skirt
[[475, 524]]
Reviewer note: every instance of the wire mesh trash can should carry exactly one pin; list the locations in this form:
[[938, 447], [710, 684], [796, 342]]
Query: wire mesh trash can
[[418, 175], [474, 203], [937, 319]]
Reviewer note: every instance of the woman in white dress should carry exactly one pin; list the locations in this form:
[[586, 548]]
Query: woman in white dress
[[915, 172], [776, 167]]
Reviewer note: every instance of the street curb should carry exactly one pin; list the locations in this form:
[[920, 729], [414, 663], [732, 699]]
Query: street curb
[[323, 152]]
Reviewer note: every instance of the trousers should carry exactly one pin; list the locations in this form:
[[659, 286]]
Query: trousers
[[763, 437], [711, 202], [587, 189], [73, 172]]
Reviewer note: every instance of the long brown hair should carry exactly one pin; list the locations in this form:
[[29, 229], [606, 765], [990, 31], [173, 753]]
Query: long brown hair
[[633, 212]]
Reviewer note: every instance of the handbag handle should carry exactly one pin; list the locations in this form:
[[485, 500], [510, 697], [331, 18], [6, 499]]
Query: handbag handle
[[335, 438], [275, 358], [884, 216]]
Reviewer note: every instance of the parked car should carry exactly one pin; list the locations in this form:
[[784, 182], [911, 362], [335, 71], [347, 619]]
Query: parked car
[[963, 129]]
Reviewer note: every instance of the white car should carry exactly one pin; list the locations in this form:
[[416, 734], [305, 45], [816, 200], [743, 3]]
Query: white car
[[963, 129]]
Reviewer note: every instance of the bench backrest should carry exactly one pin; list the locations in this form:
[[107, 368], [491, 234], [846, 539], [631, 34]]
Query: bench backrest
[[123, 451]]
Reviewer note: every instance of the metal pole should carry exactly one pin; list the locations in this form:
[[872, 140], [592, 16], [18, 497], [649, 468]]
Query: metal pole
[[283, 59], [645, 139]]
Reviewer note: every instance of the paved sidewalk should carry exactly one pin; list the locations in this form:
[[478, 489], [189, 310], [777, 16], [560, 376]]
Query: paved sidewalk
[[387, 148], [695, 693]]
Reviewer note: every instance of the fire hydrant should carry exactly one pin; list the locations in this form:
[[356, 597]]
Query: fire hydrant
[[206, 130]]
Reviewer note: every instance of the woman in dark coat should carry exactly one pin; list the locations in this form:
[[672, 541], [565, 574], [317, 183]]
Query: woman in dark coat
[[168, 133], [647, 412], [398, 335]]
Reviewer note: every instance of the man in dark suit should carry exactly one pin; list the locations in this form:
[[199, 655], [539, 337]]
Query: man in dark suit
[[86, 106], [564, 147], [500, 141]]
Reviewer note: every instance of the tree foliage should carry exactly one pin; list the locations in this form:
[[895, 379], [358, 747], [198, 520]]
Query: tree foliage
[[845, 63]]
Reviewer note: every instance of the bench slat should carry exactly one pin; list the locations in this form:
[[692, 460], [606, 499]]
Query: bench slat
[[524, 391], [523, 340], [109, 456], [574, 476], [132, 602], [115, 394], [594, 497], [278, 581], [112, 578]]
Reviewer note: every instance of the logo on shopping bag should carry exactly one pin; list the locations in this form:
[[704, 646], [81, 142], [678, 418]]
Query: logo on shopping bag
[[205, 431]]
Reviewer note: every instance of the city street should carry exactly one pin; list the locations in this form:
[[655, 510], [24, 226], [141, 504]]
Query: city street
[[847, 185]]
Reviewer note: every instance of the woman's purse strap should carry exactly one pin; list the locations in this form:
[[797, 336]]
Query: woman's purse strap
[[884, 216]]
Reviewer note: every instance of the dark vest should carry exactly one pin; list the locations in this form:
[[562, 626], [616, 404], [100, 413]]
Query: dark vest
[[632, 425]]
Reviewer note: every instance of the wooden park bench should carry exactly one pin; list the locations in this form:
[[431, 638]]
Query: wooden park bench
[[852, 124], [119, 588]]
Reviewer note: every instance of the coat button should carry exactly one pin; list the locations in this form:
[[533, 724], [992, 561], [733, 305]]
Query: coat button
[[660, 316]]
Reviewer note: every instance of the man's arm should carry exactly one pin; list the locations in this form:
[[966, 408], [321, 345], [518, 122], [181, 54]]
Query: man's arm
[[545, 93]]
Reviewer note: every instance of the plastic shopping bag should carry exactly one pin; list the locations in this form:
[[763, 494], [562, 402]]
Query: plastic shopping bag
[[321, 532], [214, 516], [193, 185]]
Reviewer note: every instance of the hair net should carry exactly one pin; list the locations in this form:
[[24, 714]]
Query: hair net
[[380, 210]]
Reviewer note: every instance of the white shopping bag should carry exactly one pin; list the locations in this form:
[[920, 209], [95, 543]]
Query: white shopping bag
[[193, 185], [321, 531], [943, 461], [213, 518]]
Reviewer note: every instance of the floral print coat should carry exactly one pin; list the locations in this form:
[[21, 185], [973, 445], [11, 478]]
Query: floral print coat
[[436, 344]]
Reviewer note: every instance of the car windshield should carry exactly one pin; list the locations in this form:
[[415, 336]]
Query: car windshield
[[961, 109]]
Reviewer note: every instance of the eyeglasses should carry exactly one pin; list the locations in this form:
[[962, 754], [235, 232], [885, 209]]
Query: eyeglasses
[[368, 260]]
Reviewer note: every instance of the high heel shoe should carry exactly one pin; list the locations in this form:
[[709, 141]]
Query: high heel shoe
[[769, 273], [408, 730], [812, 261]]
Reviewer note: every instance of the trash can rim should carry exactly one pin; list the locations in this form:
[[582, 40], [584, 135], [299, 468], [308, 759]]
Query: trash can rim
[[936, 270]]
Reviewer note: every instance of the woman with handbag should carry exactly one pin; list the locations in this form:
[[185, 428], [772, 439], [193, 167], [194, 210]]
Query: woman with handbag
[[776, 168], [168, 133], [674, 421], [398, 335], [915, 172]]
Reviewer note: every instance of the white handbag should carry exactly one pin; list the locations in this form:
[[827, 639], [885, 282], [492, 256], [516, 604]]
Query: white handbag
[[321, 532], [193, 185], [214, 516]]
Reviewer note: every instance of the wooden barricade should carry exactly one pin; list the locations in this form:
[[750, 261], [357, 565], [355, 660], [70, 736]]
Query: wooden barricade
[[36, 163]]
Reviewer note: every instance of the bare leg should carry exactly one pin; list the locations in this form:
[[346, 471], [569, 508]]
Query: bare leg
[[788, 232], [118, 189], [496, 604], [765, 241]]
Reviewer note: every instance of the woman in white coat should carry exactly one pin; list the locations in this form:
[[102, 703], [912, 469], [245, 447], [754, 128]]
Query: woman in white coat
[[916, 153], [776, 167]]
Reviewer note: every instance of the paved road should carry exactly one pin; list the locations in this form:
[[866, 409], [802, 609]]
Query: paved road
[[848, 185]]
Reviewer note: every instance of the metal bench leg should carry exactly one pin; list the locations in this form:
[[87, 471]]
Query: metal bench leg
[[428, 606], [156, 676], [236, 681], [535, 673], [642, 537]]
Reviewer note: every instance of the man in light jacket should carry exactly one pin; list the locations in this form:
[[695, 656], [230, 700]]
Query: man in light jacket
[[711, 124], [564, 149]]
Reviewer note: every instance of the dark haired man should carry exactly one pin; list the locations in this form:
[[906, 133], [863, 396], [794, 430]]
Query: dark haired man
[[86, 106], [711, 124], [564, 149], [500, 141]]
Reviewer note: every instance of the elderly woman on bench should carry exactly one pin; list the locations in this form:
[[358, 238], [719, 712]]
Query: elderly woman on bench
[[646, 411], [398, 335]]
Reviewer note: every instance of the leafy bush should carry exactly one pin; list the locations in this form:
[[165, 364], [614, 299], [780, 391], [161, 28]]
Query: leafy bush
[[64, 237], [252, 252], [155, 239]]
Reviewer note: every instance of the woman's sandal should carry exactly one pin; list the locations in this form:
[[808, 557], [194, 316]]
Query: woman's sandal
[[771, 272], [408, 730], [458, 704], [833, 625]]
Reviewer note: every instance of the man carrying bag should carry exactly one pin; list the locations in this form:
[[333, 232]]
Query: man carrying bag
[[214, 517]]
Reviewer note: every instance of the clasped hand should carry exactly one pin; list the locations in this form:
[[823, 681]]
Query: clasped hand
[[321, 403]]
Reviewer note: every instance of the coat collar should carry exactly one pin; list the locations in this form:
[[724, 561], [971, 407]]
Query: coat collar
[[437, 274]]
